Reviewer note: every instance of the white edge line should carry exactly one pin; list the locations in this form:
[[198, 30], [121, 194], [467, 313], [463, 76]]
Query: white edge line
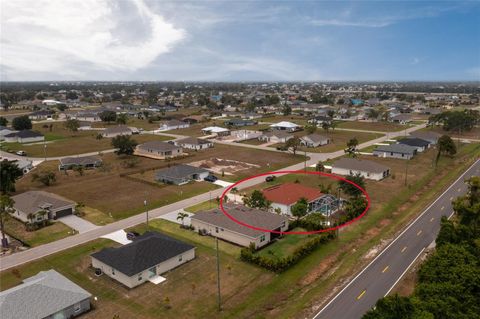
[[405, 271], [391, 243]]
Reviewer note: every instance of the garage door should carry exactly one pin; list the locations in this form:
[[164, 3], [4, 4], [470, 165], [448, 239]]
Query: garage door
[[65, 212]]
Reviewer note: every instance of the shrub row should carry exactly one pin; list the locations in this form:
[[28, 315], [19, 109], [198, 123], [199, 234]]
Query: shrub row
[[282, 264]]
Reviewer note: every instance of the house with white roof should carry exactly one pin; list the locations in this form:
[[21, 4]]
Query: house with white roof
[[286, 126]]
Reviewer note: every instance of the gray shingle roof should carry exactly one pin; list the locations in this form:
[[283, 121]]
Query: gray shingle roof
[[179, 171], [192, 141], [144, 252], [117, 129], [316, 138], [360, 165], [244, 214], [82, 160], [396, 148], [414, 141], [158, 146], [25, 134], [277, 133], [40, 296], [33, 201]]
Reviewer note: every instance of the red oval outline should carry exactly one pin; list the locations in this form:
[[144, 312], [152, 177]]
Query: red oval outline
[[294, 232]]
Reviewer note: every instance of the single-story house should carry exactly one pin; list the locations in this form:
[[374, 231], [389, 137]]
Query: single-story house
[[173, 125], [320, 119], [429, 136], [29, 206], [158, 150], [23, 164], [401, 119], [395, 151], [181, 174], [240, 122], [41, 115], [275, 136], [89, 116], [24, 136], [286, 126], [86, 162], [284, 196], [117, 131], [216, 223], [367, 169], [243, 135], [145, 258], [314, 140], [5, 131], [85, 125], [420, 144], [216, 130], [193, 143], [48, 294]]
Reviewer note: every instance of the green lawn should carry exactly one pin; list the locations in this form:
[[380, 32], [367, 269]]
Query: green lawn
[[44, 235], [285, 246], [202, 206]]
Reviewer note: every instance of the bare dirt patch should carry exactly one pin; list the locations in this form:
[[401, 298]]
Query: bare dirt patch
[[224, 166]]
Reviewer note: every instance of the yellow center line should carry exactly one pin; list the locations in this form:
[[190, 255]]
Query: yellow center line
[[459, 189], [404, 248], [361, 294], [419, 232], [451, 198], [431, 219], [385, 269]]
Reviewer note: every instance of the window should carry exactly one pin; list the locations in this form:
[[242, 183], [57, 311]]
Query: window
[[216, 229], [113, 271], [180, 258], [283, 224], [140, 277], [262, 238], [221, 229], [77, 307]]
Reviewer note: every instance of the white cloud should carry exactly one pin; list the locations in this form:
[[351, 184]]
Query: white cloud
[[69, 38]]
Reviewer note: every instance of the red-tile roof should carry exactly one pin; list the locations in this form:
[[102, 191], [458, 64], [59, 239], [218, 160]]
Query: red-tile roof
[[290, 193]]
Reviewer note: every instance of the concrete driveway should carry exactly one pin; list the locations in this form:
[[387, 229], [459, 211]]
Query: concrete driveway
[[79, 224]]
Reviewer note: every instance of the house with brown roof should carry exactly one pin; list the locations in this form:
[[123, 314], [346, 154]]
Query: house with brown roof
[[31, 205], [275, 137], [216, 223], [193, 143], [116, 131], [284, 196], [173, 125], [367, 169], [314, 140], [158, 150]]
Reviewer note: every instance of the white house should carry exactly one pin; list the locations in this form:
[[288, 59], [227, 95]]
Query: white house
[[193, 143], [286, 126], [24, 136], [284, 196], [173, 125], [367, 169], [144, 259], [216, 130], [314, 140]]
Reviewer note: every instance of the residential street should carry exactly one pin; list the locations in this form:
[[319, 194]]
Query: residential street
[[19, 258], [378, 278]]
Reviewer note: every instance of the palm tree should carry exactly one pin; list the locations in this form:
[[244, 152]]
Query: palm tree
[[181, 216], [9, 173], [6, 207]]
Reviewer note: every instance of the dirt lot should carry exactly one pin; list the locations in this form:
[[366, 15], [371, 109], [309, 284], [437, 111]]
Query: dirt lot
[[105, 190], [474, 133], [222, 166]]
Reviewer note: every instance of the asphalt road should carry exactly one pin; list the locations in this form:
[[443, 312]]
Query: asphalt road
[[380, 276], [19, 258]]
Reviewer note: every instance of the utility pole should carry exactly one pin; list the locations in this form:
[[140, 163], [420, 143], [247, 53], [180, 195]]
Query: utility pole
[[219, 298], [305, 163], [45, 149], [406, 171], [145, 205]]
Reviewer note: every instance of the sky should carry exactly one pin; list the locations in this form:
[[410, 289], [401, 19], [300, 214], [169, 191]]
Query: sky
[[145, 40]]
